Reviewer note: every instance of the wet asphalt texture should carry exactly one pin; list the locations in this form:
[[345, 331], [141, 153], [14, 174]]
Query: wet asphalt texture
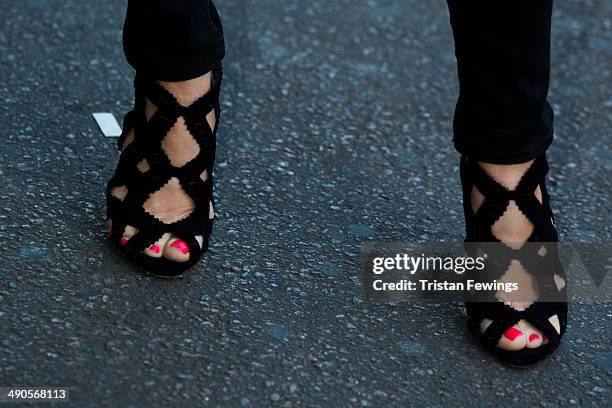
[[336, 129]]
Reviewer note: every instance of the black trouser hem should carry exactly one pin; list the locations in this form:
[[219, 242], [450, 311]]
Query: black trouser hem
[[160, 70], [495, 156]]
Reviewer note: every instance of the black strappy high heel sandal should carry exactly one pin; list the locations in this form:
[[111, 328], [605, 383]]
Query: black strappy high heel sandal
[[538, 256], [144, 168]]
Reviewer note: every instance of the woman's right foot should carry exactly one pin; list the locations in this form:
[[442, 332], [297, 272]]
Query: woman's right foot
[[163, 183], [514, 197], [513, 228]]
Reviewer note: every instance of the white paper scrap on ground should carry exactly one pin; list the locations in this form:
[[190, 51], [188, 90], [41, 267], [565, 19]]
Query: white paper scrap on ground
[[107, 123]]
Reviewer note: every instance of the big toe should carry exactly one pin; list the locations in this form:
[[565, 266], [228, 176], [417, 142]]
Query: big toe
[[176, 250], [513, 338]]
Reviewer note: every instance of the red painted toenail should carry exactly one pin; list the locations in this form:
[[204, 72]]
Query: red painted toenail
[[533, 337], [124, 240], [181, 246], [154, 248], [512, 333]]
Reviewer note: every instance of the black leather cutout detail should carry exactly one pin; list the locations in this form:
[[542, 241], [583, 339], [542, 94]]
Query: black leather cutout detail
[[147, 144]]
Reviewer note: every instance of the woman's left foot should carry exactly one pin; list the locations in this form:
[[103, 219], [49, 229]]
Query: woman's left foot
[[160, 208]]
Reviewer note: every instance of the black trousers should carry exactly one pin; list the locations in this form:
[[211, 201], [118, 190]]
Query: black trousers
[[503, 58], [172, 40]]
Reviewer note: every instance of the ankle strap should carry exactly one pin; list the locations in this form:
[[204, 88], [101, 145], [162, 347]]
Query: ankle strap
[[489, 187], [497, 198]]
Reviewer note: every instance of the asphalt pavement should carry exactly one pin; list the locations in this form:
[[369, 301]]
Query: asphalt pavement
[[335, 130]]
